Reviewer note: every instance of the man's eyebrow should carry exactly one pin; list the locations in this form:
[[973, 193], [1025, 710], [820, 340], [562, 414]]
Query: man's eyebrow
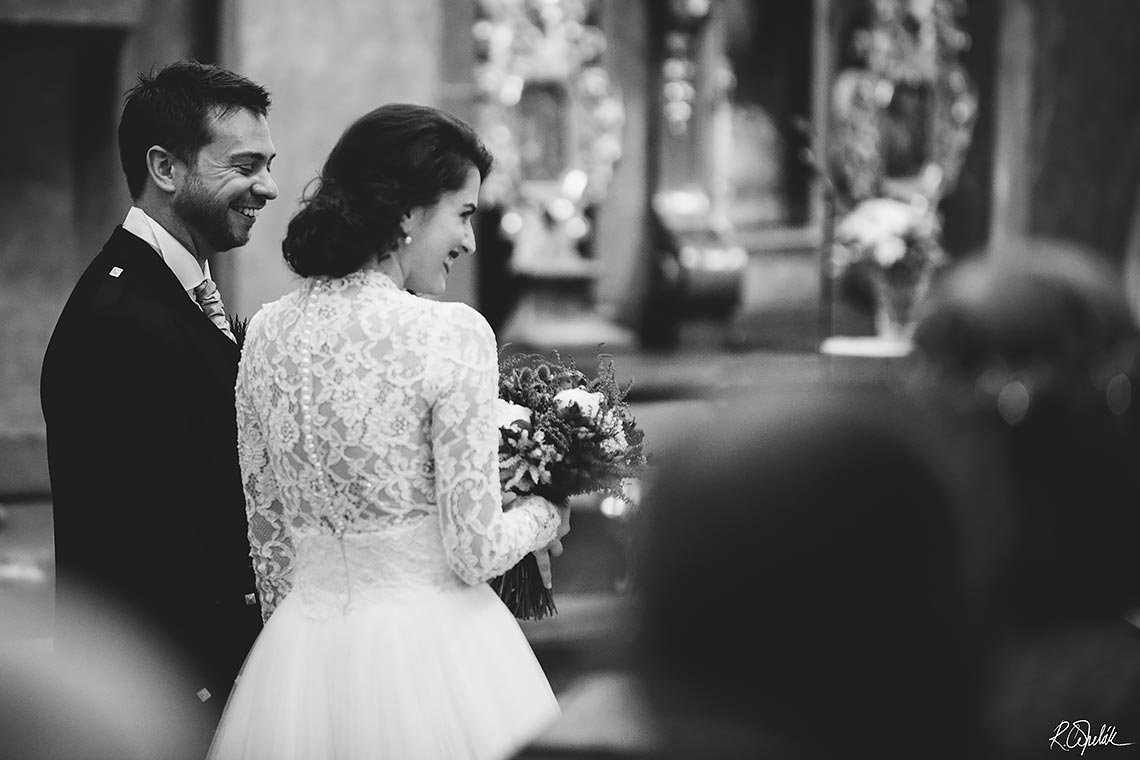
[[254, 154]]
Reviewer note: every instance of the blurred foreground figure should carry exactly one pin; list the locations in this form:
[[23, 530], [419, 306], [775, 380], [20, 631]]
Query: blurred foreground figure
[[800, 590], [1031, 355], [114, 701]]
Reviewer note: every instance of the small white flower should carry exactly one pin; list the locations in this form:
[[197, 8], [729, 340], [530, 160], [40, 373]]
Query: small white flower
[[881, 230], [508, 414], [877, 220], [889, 251], [588, 403], [615, 445], [615, 441]]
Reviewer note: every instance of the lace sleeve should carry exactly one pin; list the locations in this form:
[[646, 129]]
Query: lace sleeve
[[270, 545], [480, 539]]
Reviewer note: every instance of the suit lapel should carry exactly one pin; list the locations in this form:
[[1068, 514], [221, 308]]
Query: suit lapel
[[141, 264]]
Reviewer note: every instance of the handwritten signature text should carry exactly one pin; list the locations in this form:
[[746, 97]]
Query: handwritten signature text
[[1078, 735]]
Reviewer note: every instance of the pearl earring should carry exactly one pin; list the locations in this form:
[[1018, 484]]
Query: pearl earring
[[407, 239]]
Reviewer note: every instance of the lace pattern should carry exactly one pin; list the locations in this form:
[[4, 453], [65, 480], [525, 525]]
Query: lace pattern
[[363, 410], [398, 563]]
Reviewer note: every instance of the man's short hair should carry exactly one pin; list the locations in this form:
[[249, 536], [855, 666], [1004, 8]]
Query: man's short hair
[[171, 108]]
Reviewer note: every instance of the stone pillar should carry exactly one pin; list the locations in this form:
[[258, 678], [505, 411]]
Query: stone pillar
[[1013, 167], [324, 64], [622, 246]]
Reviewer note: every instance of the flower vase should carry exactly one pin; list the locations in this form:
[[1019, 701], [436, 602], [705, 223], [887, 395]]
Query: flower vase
[[897, 292]]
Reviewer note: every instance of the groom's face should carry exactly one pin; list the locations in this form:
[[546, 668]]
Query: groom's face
[[229, 182]]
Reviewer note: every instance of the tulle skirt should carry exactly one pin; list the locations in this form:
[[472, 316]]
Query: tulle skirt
[[448, 676]]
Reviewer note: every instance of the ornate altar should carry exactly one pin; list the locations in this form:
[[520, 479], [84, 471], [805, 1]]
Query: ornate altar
[[902, 120], [552, 117]]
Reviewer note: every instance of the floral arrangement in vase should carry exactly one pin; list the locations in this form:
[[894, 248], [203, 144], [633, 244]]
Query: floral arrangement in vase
[[901, 124], [895, 246]]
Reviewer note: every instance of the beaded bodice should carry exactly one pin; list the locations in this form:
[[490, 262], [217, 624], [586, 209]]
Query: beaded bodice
[[365, 414]]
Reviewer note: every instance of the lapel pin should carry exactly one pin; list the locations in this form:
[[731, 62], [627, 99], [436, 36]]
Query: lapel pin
[[116, 271], [204, 694]]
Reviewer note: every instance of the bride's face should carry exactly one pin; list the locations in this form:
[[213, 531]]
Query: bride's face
[[440, 235]]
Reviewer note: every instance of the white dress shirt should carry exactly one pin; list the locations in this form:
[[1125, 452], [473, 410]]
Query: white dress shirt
[[180, 260]]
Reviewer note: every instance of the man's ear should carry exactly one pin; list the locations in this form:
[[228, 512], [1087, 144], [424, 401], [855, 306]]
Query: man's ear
[[163, 168]]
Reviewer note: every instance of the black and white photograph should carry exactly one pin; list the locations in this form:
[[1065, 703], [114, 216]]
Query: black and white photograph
[[569, 379]]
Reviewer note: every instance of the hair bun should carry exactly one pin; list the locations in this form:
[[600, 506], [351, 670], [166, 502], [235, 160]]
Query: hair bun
[[326, 237]]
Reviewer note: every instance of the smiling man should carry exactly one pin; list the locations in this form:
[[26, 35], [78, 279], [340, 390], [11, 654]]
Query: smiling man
[[138, 395]]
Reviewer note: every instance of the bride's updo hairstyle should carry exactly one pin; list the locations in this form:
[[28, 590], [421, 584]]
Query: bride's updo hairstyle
[[393, 159]]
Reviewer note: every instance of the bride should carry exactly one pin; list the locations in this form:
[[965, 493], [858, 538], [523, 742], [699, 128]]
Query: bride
[[369, 457]]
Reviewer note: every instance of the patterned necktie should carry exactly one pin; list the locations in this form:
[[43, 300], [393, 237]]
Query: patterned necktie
[[207, 295]]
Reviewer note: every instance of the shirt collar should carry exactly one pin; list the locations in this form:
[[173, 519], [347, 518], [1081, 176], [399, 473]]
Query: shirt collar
[[180, 260]]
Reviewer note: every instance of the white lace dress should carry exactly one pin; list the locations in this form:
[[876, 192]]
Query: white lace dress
[[369, 456]]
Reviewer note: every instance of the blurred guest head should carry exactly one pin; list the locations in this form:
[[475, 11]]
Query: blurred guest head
[[800, 588], [1035, 347]]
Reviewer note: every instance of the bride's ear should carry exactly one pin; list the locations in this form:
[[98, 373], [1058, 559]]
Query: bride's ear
[[411, 220], [401, 232]]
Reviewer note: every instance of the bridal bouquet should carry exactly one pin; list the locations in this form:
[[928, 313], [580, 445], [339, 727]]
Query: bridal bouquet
[[561, 433]]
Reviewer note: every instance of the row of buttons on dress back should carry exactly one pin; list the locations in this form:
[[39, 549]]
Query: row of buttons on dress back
[[320, 481]]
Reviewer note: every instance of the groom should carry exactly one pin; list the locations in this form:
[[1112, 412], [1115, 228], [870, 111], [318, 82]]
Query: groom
[[138, 395]]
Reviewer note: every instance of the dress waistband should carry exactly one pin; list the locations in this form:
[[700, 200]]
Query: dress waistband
[[398, 563]]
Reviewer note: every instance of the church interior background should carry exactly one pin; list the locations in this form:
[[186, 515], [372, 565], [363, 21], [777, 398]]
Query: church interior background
[[672, 177]]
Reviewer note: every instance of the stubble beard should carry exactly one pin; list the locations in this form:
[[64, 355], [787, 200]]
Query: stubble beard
[[209, 217]]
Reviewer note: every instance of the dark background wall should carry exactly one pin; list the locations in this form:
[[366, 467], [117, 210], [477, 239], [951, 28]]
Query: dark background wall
[[63, 69], [1085, 150], [966, 209]]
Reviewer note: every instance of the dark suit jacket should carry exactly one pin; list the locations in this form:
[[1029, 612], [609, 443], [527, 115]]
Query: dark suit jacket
[[138, 394]]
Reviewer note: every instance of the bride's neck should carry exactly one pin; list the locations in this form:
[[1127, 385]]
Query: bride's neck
[[388, 266]]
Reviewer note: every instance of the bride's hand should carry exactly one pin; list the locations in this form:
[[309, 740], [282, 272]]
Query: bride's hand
[[554, 548]]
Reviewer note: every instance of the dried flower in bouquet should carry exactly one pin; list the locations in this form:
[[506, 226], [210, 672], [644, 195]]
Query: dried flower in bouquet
[[561, 433], [238, 327]]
